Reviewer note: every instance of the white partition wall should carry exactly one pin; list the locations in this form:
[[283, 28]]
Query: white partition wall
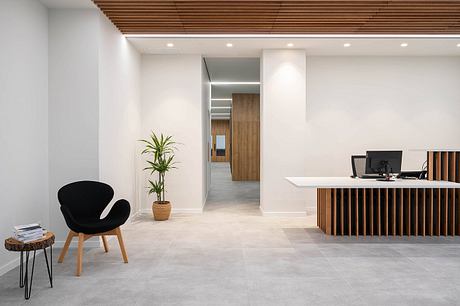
[[119, 117], [318, 111], [94, 107], [73, 104], [172, 103], [23, 119], [283, 131]]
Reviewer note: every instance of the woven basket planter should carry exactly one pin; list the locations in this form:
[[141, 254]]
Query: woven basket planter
[[161, 210]]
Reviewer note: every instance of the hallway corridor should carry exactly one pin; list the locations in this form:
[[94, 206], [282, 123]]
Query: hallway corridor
[[232, 197]]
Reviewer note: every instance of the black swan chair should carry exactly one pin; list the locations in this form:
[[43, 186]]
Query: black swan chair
[[82, 204]]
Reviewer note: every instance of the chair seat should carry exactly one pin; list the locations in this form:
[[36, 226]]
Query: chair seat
[[95, 226]]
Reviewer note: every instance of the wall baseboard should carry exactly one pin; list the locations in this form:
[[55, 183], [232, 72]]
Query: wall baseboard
[[177, 211], [15, 262], [283, 213], [9, 266]]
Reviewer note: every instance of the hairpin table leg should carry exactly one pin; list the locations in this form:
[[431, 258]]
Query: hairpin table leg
[[27, 285], [21, 270], [49, 266]]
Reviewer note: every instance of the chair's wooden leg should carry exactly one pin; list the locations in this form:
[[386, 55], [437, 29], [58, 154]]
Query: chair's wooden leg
[[66, 246], [81, 240], [104, 242], [122, 245]]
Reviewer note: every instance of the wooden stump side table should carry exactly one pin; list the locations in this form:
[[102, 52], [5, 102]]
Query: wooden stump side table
[[14, 245]]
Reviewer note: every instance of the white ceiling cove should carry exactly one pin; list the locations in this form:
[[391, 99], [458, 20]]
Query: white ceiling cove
[[252, 47]]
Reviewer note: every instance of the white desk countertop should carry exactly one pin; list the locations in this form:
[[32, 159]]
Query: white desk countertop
[[348, 182]]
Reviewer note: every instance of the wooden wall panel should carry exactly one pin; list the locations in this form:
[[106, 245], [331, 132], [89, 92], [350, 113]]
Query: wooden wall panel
[[220, 127], [443, 165], [283, 16], [245, 155]]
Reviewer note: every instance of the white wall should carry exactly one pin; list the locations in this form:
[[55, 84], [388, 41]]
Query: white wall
[[353, 104], [283, 130], [73, 104], [359, 103], [23, 118], [119, 113], [206, 129], [171, 95]]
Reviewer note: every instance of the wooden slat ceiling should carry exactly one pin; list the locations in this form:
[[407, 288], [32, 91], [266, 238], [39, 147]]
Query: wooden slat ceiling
[[283, 17]]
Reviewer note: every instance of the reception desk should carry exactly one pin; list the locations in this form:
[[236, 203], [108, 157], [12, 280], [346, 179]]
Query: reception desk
[[348, 206]]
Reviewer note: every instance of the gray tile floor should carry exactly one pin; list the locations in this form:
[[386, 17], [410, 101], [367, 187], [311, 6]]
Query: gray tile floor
[[231, 255]]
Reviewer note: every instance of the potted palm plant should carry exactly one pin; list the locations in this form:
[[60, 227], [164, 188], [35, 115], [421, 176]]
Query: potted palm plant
[[161, 151]]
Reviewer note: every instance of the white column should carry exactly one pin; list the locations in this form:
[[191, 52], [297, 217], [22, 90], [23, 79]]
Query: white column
[[283, 131]]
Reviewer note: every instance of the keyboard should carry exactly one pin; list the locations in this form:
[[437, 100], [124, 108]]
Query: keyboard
[[370, 176]]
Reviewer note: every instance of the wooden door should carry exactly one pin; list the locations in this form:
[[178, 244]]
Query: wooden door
[[245, 137], [220, 130]]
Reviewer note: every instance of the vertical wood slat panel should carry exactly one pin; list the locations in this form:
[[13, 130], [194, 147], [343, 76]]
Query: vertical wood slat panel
[[446, 211], [445, 166], [457, 195], [386, 212], [452, 166], [438, 166], [394, 212], [364, 212], [430, 166], [371, 208], [318, 208], [438, 225], [349, 212], [319, 211], [408, 223], [401, 212], [334, 211], [431, 211], [416, 213], [424, 212], [379, 227], [452, 201], [328, 211], [323, 209], [357, 213], [341, 213]]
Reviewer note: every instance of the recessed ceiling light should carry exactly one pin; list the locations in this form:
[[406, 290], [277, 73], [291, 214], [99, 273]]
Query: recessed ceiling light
[[290, 45], [458, 45], [170, 45], [229, 45], [346, 45], [404, 45]]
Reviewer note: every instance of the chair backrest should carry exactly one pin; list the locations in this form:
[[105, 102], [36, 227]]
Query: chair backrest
[[358, 165], [85, 198]]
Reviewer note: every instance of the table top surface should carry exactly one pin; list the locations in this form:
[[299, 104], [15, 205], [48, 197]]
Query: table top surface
[[12, 244], [348, 182]]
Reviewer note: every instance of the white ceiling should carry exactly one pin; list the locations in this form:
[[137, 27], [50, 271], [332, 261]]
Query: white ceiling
[[223, 64], [68, 4], [252, 47], [231, 70]]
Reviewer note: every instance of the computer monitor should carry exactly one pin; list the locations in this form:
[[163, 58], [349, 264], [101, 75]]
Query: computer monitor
[[383, 162]]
